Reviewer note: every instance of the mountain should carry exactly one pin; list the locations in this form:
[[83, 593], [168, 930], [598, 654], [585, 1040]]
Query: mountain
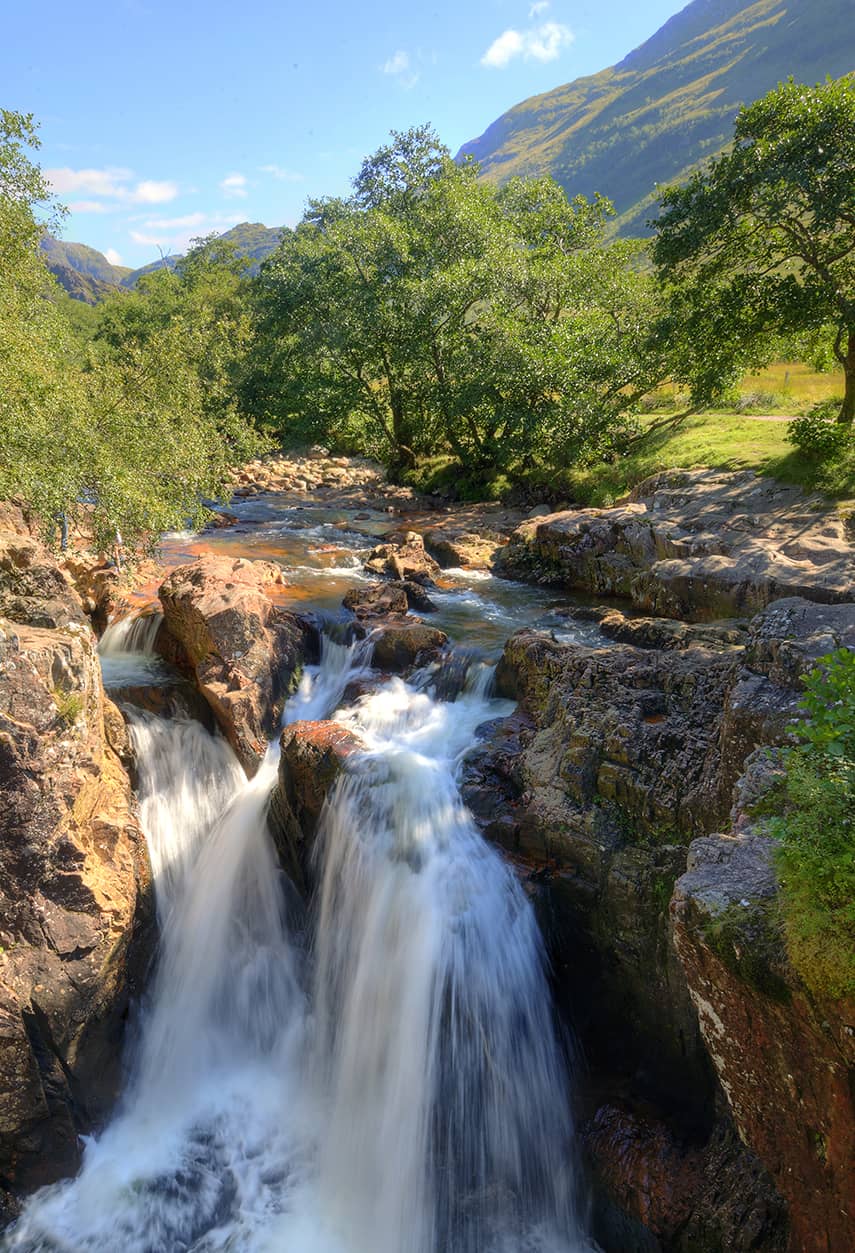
[[670, 104], [87, 275]]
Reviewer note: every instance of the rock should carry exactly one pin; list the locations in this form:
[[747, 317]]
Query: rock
[[455, 547], [677, 1194], [541, 511], [694, 544], [77, 927], [313, 755], [33, 588], [401, 646], [403, 557], [377, 600], [784, 1059], [243, 648], [417, 598]]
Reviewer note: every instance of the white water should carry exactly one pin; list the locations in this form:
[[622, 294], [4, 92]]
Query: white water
[[399, 1088], [127, 650]]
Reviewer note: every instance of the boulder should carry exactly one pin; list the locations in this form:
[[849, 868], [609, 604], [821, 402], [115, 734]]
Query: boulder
[[313, 755], [402, 556], [377, 600], [243, 648], [402, 645], [33, 587], [77, 928], [461, 547], [693, 544]]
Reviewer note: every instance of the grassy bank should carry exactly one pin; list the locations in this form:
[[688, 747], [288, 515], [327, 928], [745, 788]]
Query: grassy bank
[[731, 441]]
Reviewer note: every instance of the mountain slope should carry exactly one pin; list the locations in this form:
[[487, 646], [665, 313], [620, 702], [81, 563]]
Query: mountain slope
[[670, 103], [87, 275]]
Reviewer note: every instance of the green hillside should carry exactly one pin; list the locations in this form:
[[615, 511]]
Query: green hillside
[[87, 275], [251, 239], [670, 103]]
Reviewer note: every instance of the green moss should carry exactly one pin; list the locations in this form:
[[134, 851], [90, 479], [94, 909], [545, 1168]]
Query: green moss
[[748, 941]]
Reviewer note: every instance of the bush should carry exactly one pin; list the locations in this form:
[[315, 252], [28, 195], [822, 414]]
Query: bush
[[817, 434], [817, 831]]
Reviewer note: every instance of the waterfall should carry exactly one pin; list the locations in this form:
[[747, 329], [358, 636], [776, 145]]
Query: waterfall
[[396, 1086], [127, 650]]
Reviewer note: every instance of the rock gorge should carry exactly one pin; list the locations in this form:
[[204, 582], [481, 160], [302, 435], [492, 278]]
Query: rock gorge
[[716, 1104]]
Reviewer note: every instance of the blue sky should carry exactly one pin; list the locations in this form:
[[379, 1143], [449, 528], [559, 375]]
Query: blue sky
[[165, 120]]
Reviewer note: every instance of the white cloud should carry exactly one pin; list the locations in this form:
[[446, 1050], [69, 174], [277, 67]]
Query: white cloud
[[234, 186], [284, 176], [149, 241], [151, 192], [113, 257], [173, 235], [167, 224], [90, 206], [400, 67], [538, 43], [538, 8], [112, 183]]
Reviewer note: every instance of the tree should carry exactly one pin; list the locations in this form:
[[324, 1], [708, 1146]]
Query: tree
[[762, 241], [430, 312], [128, 432]]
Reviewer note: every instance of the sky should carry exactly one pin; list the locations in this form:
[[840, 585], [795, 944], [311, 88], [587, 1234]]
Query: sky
[[164, 120]]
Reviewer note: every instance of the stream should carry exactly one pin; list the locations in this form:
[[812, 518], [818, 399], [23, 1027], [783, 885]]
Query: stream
[[380, 1073]]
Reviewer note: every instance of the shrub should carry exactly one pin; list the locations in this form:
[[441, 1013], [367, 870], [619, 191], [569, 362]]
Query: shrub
[[817, 433], [817, 831]]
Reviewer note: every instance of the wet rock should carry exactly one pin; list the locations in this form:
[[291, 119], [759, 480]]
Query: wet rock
[[403, 557], [244, 649], [77, 925], [784, 1059], [377, 600], [401, 646], [694, 544], [655, 1189], [313, 755]]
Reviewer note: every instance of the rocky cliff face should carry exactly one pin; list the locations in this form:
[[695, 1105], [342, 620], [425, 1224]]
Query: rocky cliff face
[[75, 893], [618, 771]]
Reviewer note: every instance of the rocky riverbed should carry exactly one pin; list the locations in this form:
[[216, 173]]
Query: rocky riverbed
[[717, 1113]]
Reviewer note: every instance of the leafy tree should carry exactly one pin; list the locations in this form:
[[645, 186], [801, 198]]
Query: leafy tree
[[429, 311], [762, 241], [125, 433]]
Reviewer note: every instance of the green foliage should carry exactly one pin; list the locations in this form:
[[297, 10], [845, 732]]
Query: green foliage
[[127, 431], [761, 242], [69, 705], [429, 313], [670, 104], [817, 434], [817, 830]]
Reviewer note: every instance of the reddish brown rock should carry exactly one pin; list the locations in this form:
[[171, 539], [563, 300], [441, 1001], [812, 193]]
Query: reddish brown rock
[[243, 647], [313, 755], [77, 925], [784, 1059]]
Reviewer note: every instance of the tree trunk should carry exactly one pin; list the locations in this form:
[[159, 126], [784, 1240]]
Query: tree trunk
[[847, 409]]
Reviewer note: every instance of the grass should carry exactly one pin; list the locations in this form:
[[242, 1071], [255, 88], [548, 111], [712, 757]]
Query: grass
[[728, 441]]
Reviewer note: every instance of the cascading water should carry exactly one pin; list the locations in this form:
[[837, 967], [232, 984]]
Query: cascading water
[[399, 1088]]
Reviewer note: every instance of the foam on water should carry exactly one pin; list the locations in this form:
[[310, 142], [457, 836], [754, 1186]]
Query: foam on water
[[399, 1088]]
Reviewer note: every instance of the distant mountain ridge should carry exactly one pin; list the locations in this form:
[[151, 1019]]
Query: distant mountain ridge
[[87, 275], [670, 103]]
